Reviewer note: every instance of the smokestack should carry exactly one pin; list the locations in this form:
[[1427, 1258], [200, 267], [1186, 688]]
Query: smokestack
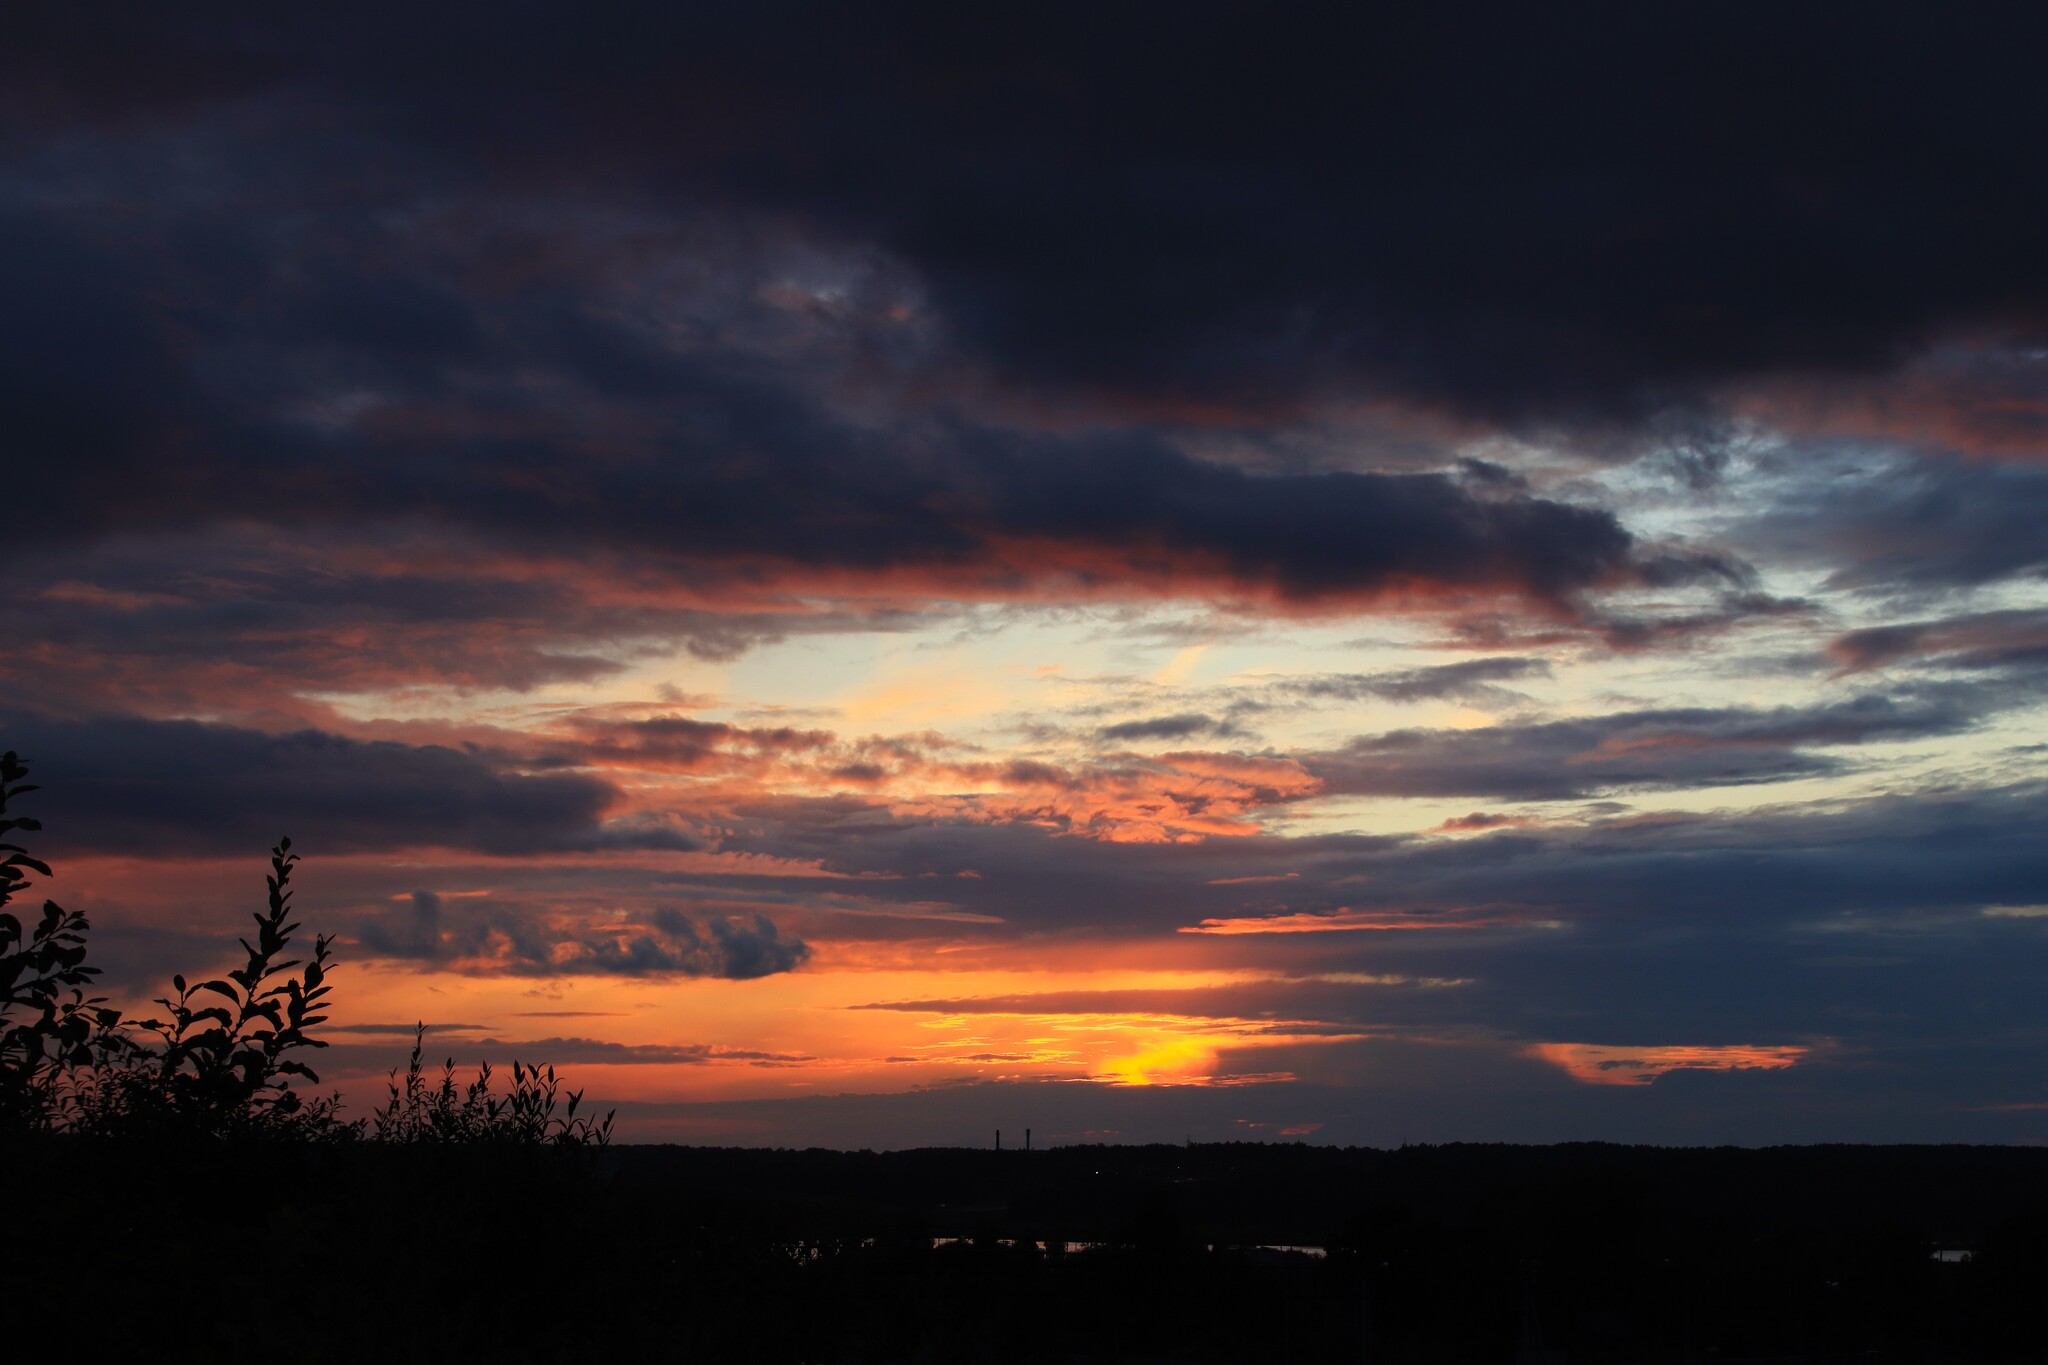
[[1027, 1139], [999, 1139]]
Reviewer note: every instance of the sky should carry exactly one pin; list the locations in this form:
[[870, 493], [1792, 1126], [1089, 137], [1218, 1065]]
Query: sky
[[858, 576]]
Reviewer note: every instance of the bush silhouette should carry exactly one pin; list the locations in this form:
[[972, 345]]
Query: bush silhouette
[[48, 1026], [223, 1062], [445, 1112], [218, 1065]]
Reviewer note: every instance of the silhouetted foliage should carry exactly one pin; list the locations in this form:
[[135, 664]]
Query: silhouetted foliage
[[223, 1061], [446, 1112], [218, 1065], [48, 1026]]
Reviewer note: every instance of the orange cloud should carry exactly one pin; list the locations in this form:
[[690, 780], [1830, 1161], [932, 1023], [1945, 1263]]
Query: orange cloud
[[1596, 1064], [1345, 920]]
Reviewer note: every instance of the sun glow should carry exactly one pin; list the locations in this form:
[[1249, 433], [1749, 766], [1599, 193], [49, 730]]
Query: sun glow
[[1168, 1062]]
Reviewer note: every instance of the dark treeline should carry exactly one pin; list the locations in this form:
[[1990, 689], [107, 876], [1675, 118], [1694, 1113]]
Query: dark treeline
[[1583, 1253], [1295, 1193]]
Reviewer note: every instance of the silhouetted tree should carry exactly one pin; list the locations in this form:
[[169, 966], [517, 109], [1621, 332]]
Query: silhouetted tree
[[218, 1065], [48, 1026]]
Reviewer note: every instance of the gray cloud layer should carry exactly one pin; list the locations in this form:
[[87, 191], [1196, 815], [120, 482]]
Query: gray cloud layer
[[183, 787], [490, 937]]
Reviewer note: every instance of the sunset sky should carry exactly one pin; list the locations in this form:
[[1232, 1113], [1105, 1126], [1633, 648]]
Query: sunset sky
[[857, 575]]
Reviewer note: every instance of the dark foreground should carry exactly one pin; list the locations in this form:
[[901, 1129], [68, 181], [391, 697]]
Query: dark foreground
[[1582, 1253]]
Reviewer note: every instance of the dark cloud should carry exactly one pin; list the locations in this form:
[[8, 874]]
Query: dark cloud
[[306, 340], [1935, 852], [1977, 640], [770, 481], [485, 936], [165, 627], [1865, 928], [1481, 820], [183, 787], [1480, 682], [751, 470], [1637, 750], [238, 621], [1626, 631], [1239, 204], [1469, 680], [743, 950], [568, 1051], [349, 1057], [1941, 853], [1698, 448], [1982, 396], [1240, 209], [1182, 726], [680, 744], [1886, 522]]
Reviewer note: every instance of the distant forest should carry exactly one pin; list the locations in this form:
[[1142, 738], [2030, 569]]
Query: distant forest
[[1208, 1253]]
